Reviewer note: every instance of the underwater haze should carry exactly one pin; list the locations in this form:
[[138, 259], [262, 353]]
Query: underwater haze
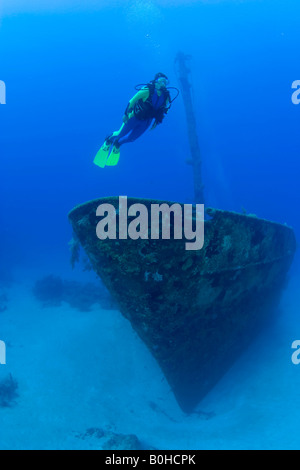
[[75, 370]]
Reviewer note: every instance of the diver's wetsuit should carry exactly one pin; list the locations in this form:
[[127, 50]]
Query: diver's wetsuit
[[135, 127]]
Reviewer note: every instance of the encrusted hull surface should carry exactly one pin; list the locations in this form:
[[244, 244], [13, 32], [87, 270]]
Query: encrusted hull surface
[[196, 310]]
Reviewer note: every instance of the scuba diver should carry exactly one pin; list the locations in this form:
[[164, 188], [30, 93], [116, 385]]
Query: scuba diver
[[151, 102]]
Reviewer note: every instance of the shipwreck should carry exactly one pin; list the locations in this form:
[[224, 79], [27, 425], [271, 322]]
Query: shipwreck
[[196, 311]]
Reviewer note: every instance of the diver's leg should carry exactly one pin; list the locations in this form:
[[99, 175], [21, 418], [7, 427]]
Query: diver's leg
[[117, 133], [133, 129], [136, 131], [114, 142], [112, 137], [122, 132], [109, 153], [140, 129]]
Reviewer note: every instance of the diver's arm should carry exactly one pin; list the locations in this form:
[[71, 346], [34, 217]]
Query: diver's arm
[[140, 95], [167, 106]]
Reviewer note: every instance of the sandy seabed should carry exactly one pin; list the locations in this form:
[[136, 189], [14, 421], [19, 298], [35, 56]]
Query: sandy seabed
[[80, 370]]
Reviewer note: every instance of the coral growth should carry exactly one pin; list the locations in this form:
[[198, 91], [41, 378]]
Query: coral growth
[[51, 291], [107, 440], [8, 392], [74, 246]]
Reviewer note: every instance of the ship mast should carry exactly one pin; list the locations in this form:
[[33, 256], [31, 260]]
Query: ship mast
[[183, 77]]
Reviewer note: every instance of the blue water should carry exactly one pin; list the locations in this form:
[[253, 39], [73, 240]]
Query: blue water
[[69, 72]]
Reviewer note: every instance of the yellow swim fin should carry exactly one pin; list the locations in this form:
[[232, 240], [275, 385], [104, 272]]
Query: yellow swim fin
[[101, 157], [114, 156]]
